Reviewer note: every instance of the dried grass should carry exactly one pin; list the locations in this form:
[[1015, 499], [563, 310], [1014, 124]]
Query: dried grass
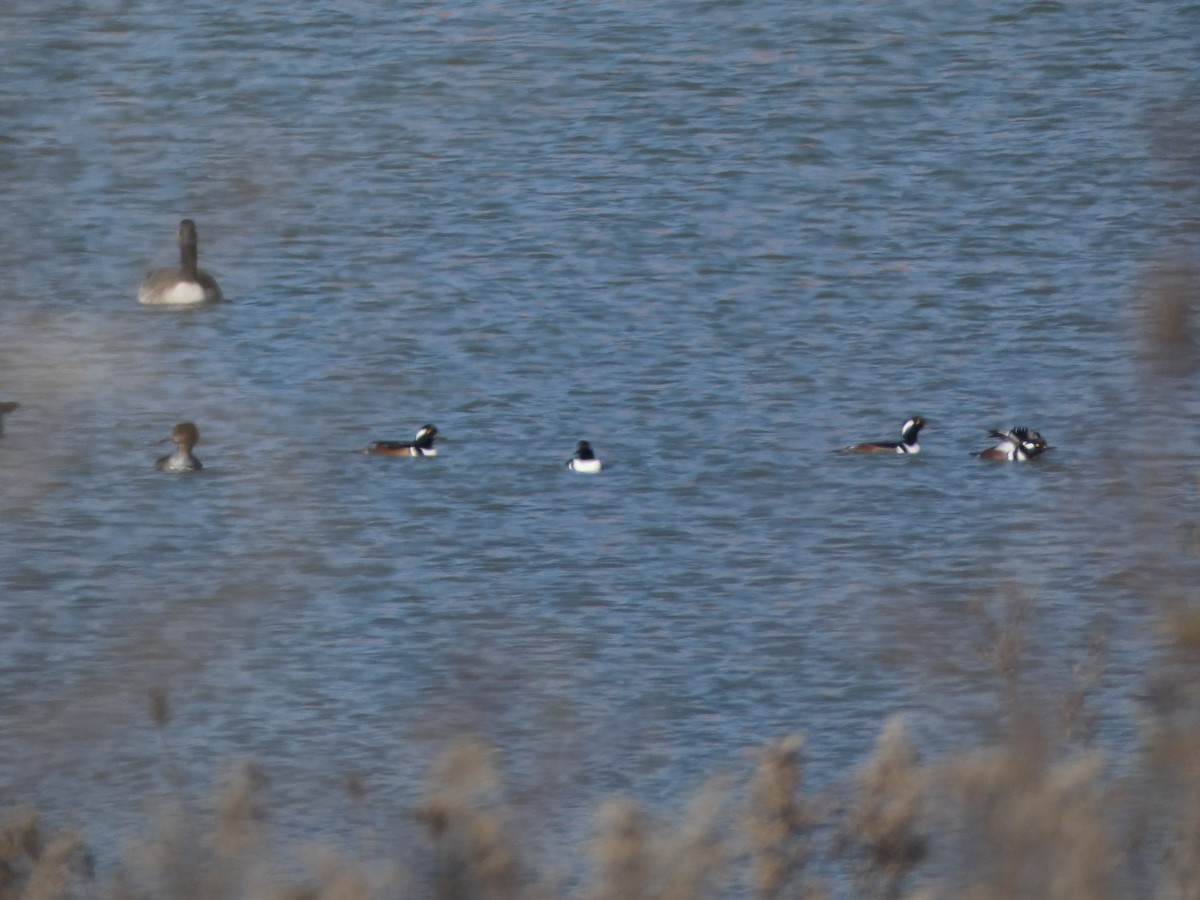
[[1035, 815], [776, 822], [473, 855], [884, 819], [637, 860], [1030, 817], [1028, 826], [36, 867], [624, 859]]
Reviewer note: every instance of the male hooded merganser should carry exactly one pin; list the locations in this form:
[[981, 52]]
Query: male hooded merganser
[[1016, 444], [584, 459], [185, 286], [421, 445], [5, 409], [907, 444], [186, 436]]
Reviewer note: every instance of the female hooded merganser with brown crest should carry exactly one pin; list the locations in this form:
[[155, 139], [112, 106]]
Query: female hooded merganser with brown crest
[[186, 436], [186, 286], [5, 409], [1016, 444], [421, 445], [584, 459], [906, 444]]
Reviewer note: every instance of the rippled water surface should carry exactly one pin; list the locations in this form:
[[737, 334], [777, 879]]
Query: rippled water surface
[[715, 239]]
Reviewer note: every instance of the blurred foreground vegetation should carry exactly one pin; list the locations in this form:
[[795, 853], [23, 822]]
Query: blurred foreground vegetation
[[1037, 814]]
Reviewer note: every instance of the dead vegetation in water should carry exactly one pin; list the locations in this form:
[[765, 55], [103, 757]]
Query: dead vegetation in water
[[35, 865], [1035, 815]]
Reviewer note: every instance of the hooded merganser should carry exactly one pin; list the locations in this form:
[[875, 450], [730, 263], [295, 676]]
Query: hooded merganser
[[185, 286], [186, 436], [5, 409], [584, 459], [1016, 444], [421, 445], [907, 444]]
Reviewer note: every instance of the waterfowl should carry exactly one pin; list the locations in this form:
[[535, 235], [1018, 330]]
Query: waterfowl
[[186, 436], [1015, 445], [421, 445], [584, 459], [907, 443], [187, 285]]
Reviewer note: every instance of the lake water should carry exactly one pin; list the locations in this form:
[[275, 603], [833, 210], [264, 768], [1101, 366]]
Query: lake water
[[715, 239]]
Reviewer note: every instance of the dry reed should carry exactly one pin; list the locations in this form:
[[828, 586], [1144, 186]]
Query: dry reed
[[884, 819], [473, 855], [1027, 818], [639, 860], [36, 867], [777, 822]]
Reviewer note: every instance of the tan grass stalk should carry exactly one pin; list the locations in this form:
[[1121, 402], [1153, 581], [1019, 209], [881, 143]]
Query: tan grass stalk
[[20, 845], [475, 854], [336, 878], [33, 867], [241, 812], [622, 853], [60, 869], [1181, 870], [636, 861], [776, 821], [883, 820], [696, 856], [1030, 827]]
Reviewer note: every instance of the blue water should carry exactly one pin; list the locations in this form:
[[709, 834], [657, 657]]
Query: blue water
[[717, 240]]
